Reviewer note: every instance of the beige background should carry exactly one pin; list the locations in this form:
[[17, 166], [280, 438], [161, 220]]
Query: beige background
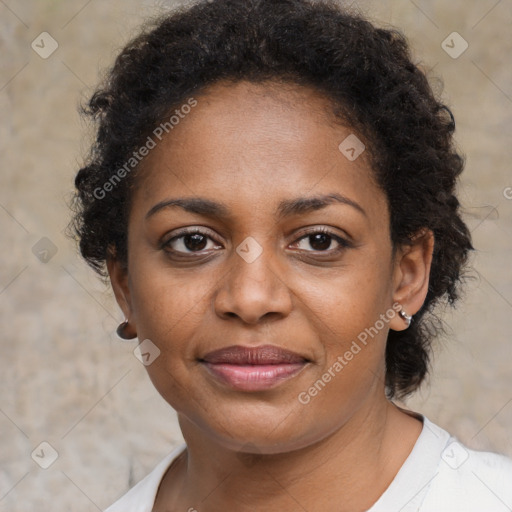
[[69, 381]]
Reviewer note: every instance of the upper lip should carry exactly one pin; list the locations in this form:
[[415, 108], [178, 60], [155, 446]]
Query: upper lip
[[260, 355]]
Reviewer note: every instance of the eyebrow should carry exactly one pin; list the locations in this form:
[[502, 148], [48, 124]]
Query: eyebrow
[[286, 208]]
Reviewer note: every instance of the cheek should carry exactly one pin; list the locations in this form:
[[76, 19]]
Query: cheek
[[346, 313], [169, 312], [353, 336], [344, 303], [167, 305]]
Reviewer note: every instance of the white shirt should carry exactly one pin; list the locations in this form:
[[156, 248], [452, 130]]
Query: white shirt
[[439, 475]]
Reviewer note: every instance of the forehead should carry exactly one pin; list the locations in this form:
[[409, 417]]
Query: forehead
[[257, 143]]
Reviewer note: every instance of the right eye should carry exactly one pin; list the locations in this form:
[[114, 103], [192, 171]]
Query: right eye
[[189, 241]]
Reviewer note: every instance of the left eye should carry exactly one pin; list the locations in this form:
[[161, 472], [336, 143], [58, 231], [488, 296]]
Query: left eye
[[320, 241]]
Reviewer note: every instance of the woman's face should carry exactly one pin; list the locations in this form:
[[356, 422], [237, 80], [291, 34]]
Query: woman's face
[[261, 272]]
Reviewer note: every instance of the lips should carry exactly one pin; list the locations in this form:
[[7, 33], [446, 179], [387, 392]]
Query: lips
[[263, 355], [253, 368]]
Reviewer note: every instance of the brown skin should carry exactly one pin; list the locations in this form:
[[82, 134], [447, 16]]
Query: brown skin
[[251, 146]]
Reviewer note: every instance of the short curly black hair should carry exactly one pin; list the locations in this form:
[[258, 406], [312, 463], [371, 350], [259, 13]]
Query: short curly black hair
[[372, 84]]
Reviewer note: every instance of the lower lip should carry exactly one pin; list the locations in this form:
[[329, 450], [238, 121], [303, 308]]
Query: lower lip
[[254, 377]]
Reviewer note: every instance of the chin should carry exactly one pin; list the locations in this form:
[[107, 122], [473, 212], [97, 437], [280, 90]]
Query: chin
[[255, 430]]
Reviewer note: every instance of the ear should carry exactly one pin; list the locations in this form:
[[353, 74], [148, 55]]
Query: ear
[[118, 274], [411, 275]]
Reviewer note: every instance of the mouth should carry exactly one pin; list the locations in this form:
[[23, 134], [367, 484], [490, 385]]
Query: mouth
[[253, 368]]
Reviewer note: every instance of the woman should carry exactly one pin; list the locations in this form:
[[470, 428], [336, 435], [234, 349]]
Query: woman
[[272, 195]]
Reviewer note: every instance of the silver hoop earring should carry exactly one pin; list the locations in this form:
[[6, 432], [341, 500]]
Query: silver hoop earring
[[407, 318]]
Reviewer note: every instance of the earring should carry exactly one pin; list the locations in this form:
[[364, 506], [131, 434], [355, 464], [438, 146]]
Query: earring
[[407, 318], [122, 331]]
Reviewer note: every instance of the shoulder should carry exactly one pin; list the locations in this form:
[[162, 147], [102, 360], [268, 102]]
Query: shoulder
[[470, 480], [141, 497], [441, 474]]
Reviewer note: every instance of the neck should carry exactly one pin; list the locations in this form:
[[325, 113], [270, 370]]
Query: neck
[[349, 469]]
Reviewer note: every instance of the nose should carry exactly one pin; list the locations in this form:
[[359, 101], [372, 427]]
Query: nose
[[253, 292]]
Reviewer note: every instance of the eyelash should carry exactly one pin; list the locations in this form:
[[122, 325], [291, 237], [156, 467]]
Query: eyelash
[[343, 243]]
